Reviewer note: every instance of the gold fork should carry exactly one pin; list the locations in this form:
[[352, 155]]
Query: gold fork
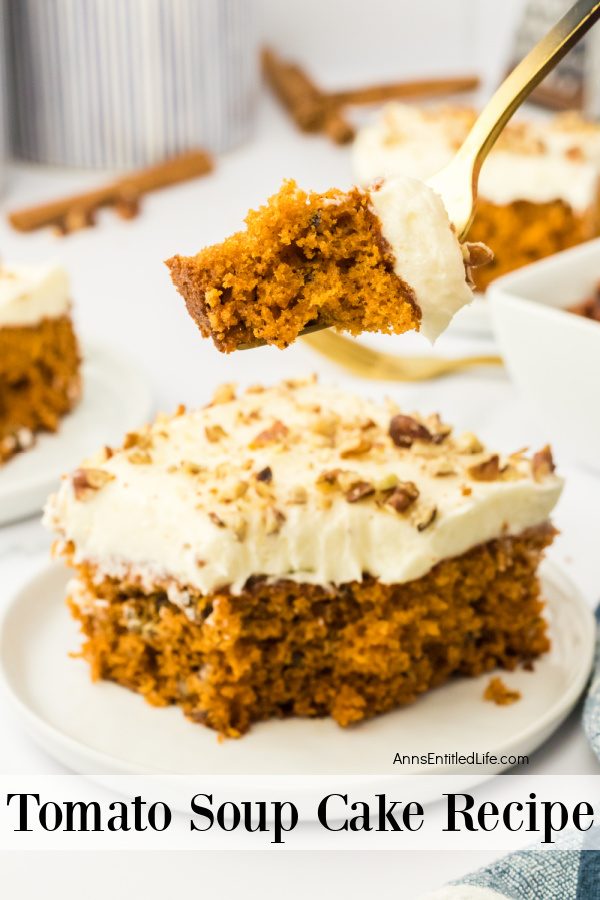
[[373, 364], [457, 182]]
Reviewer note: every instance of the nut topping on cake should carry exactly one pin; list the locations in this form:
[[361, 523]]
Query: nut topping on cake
[[427, 518], [386, 493], [404, 431], [225, 393], [542, 463], [403, 496], [214, 433], [488, 470], [272, 435], [87, 481], [140, 458], [265, 474], [468, 443], [359, 491], [355, 447]]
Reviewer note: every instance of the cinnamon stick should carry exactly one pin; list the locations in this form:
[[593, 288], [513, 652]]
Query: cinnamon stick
[[315, 110], [303, 100], [311, 109], [78, 211], [400, 90]]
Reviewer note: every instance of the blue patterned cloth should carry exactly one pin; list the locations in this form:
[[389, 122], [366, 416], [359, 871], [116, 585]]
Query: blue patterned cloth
[[572, 873]]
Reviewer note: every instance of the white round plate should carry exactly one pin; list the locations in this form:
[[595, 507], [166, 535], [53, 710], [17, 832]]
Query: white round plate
[[115, 399], [106, 732]]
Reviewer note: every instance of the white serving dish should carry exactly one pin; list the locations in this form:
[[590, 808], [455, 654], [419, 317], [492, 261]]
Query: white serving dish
[[553, 355]]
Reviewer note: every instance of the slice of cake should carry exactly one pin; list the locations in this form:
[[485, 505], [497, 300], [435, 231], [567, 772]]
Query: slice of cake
[[300, 551], [538, 189], [384, 259], [39, 357]]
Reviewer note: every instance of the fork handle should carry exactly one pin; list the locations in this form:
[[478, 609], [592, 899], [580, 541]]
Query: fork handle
[[523, 79]]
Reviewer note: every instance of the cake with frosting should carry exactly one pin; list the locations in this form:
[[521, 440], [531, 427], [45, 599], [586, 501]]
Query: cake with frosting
[[302, 551], [538, 188], [382, 259], [39, 358]]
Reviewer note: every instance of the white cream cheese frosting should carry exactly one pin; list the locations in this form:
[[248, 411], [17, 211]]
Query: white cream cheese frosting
[[426, 251], [297, 482], [536, 162], [30, 293]]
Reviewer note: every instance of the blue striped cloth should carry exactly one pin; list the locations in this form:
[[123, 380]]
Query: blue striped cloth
[[572, 873], [124, 83]]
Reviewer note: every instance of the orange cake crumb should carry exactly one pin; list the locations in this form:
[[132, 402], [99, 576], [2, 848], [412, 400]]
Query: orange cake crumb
[[499, 693]]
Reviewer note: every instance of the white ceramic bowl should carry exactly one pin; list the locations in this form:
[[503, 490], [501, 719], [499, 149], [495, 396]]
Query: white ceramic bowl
[[554, 355]]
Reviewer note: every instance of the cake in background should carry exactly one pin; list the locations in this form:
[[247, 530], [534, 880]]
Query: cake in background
[[539, 188], [40, 377], [301, 551], [381, 259]]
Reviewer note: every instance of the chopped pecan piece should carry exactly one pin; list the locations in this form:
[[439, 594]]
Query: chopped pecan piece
[[325, 425], [140, 458], [263, 489], [233, 491], [403, 496], [443, 468], [240, 528], [132, 439], [439, 430], [359, 491], [87, 481], [476, 254], [274, 520], [329, 479], [404, 431], [190, 468], [225, 393], [386, 482], [216, 520], [488, 470], [468, 443], [356, 447], [427, 518], [271, 435], [214, 433], [265, 474], [542, 463]]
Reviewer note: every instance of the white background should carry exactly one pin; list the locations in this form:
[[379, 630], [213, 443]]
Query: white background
[[123, 297]]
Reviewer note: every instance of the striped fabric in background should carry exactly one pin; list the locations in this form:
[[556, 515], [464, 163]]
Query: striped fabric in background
[[124, 83]]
